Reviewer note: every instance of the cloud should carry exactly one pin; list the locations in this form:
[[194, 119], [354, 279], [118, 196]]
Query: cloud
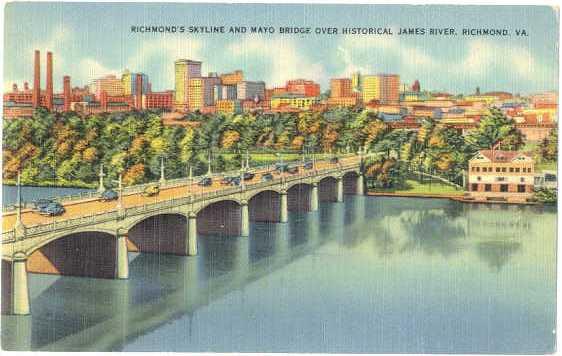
[[278, 60]]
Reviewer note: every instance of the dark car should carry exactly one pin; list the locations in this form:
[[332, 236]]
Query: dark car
[[249, 176], [334, 160], [307, 165], [109, 194], [266, 177], [53, 209], [281, 167], [235, 181], [40, 204], [293, 170], [205, 182], [227, 180]]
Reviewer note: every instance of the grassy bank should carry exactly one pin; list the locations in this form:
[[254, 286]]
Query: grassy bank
[[415, 187]]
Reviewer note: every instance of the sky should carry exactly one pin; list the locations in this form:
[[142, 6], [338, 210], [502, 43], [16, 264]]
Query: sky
[[91, 40]]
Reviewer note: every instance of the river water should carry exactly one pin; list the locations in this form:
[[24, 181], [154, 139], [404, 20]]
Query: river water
[[29, 193], [367, 275]]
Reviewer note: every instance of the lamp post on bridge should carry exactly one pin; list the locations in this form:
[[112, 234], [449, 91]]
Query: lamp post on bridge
[[19, 227], [101, 187], [162, 176], [209, 173]]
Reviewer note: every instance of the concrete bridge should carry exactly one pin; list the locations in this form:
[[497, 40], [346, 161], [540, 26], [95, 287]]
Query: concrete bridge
[[93, 237]]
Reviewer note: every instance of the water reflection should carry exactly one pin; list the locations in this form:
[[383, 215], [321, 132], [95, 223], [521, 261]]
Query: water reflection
[[340, 259]]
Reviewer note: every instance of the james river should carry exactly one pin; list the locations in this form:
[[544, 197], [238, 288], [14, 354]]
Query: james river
[[369, 275]]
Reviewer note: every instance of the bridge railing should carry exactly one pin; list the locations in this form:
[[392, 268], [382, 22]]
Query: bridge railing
[[95, 218]]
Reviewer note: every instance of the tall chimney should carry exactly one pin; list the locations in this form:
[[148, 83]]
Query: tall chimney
[[36, 94], [138, 92], [66, 92], [49, 82]]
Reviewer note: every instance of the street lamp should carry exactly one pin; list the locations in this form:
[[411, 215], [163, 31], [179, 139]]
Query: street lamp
[[101, 188], [209, 173]]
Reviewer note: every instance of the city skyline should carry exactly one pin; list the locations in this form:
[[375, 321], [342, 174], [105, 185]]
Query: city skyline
[[518, 65]]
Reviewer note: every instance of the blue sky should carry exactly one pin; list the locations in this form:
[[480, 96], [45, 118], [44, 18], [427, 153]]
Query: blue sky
[[90, 40]]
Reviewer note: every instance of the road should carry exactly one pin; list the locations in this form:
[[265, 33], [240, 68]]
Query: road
[[77, 209]]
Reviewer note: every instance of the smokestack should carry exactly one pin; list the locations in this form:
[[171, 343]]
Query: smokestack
[[36, 94], [49, 82], [25, 86], [138, 92], [66, 92]]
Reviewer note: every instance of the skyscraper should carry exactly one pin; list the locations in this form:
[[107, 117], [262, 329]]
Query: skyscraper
[[185, 69]]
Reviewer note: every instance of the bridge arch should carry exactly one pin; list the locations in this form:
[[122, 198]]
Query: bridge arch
[[80, 253], [328, 189], [158, 233], [350, 182], [265, 206], [299, 196], [222, 217]]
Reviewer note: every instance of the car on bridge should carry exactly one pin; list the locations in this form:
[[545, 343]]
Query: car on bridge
[[227, 180], [205, 182], [249, 175], [40, 204], [281, 167], [53, 209], [151, 190], [266, 177], [235, 181], [307, 165], [334, 160], [293, 170], [109, 195]]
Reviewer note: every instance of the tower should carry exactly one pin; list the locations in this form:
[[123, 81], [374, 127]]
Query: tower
[[49, 82], [66, 92], [138, 91], [36, 94]]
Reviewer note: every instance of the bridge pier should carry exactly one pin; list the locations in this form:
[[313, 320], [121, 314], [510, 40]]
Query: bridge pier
[[192, 234], [339, 189], [360, 185], [122, 257], [20, 290], [244, 219], [284, 206], [314, 197]]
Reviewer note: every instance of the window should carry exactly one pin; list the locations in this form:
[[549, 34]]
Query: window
[[510, 169], [503, 188], [477, 169], [478, 178], [522, 179], [521, 188], [474, 187], [473, 169], [497, 169], [484, 169], [517, 170], [500, 179], [504, 169], [529, 170], [488, 187]]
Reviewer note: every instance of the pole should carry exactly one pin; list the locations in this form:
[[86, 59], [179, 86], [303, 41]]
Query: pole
[[209, 171], [19, 224], [120, 189], [101, 188], [162, 177]]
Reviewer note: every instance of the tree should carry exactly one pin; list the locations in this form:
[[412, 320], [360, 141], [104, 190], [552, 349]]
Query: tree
[[493, 128]]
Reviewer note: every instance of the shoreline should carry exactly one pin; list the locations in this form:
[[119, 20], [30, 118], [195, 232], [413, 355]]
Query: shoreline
[[12, 183], [453, 197]]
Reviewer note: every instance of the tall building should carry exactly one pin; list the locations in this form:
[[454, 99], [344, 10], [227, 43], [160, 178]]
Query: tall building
[[250, 90], [232, 78], [371, 88], [340, 88], [382, 87], [224, 92], [201, 92], [109, 84], [129, 83], [389, 88], [303, 87], [66, 92], [185, 69]]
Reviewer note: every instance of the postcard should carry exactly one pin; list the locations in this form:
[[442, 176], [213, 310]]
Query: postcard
[[300, 178]]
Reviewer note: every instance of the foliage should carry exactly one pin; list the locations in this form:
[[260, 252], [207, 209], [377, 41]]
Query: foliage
[[547, 196]]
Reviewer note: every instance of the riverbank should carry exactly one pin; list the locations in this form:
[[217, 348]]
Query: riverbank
[[74, 184]]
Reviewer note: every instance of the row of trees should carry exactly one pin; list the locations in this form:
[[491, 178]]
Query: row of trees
[[66, 149]]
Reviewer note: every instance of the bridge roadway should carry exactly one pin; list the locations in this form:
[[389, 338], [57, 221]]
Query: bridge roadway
[[46, 244]]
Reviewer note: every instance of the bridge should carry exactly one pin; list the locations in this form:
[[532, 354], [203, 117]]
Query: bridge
[[92, 238]]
